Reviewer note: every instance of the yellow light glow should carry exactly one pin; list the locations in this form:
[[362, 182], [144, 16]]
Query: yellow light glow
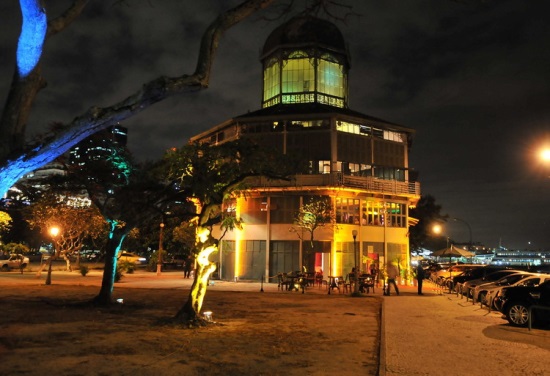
[[545, 155], [437, 229], [238, 238], [54, 231], [335, 256]]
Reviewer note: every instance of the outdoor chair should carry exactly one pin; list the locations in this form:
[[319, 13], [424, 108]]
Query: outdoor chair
[[319, 279], [284, 281], [345, 284], [310, 278]]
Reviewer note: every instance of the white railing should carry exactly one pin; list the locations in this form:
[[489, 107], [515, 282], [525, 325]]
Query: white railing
[[339, 180]]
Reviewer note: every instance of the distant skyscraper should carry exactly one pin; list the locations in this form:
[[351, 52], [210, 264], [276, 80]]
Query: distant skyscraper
[[99, 145]]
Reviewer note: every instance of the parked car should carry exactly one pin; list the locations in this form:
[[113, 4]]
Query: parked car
[[132, 257], [474, 273], [15, 261], [480, 291], [517, 300], [492, 298], [468, 286], [442, 275]]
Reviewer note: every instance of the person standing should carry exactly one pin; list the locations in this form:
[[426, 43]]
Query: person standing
[[420, 275], [392, 273], [189, 264]]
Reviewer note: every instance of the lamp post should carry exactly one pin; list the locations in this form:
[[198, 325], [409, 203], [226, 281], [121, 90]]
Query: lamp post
[[437, 229], [356, 288], [159, 256], [469, 230], [54, 231]]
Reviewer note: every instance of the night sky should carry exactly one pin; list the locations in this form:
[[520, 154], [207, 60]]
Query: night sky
[[473, 80]]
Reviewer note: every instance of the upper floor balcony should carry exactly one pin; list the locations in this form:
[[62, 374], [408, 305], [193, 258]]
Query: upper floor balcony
[[339, 180]]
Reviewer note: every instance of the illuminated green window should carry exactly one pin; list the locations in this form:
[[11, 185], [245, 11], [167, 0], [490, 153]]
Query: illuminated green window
[[271, 80], [331, 78], [298, 74], [303, 78]]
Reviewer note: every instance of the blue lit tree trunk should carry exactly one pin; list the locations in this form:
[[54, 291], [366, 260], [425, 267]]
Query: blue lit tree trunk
[[19, 157], [116, 237]]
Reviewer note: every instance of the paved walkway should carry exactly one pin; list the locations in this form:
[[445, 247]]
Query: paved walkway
[[441, 333]]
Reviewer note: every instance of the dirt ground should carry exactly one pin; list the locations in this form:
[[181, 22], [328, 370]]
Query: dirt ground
[[47, 330]]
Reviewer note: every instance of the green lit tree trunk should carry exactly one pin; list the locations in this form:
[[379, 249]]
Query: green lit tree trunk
[[116, 237]]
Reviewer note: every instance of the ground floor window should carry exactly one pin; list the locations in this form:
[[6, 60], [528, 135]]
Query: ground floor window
[[252, 260], [284, 257]]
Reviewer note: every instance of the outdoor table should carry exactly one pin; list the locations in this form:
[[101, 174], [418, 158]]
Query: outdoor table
[[366, 281], [292, 280]]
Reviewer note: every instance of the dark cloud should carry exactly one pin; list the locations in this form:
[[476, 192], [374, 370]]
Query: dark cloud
[[472, 79]]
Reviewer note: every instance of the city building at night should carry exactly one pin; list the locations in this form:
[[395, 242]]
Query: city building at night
[[100, 145], [359, 163]]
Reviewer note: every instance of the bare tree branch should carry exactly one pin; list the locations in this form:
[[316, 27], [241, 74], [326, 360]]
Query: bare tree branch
[[68, 17], [29, 157]]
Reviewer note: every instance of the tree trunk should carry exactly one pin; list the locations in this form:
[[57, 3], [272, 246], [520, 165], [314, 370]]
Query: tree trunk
[[67, 262], [191, 309], [116, 237], [49, 275]]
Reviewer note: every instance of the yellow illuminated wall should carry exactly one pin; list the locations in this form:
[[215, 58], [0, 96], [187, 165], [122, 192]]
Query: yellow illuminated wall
[[238, 239]]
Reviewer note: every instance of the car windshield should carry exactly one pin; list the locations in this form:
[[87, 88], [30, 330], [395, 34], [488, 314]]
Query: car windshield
[[498, 275], [512, 279]]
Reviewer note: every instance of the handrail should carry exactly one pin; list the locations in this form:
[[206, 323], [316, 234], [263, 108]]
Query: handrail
[[341, 180]]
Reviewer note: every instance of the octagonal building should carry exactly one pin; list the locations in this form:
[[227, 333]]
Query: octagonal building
[[357, 163]]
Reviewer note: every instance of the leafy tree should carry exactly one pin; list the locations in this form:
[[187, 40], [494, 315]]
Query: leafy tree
[[207, 176], [315, 213], [126, 195], [427, 212], [19, 156], [75, 224], [14, 248], [5, 223]]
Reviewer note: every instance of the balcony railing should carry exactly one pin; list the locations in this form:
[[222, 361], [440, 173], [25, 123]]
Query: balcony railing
[[367, 183]]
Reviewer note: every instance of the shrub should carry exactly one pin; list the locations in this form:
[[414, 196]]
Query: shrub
[[84, 270], [118, 273]]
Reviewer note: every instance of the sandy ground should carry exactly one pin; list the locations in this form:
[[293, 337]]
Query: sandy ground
[[47, 330]]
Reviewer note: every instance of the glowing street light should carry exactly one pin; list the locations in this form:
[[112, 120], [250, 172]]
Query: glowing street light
[[54, 231]]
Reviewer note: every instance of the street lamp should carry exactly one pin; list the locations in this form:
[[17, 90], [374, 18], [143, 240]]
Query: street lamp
[[159, 256], [356, 288], [54, 231], [469, 230], [544, 156]]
